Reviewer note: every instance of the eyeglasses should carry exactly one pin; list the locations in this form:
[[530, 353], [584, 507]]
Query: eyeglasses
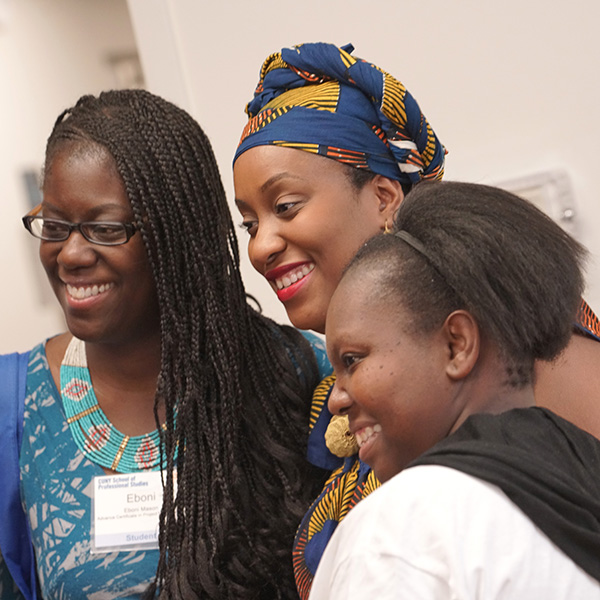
[[105, 233]]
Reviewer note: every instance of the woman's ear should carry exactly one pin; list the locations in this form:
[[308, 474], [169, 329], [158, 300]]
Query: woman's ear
[[464, 343], [389, 195]]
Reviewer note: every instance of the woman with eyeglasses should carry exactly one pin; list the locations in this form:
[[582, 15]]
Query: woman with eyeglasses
[[164, 434]]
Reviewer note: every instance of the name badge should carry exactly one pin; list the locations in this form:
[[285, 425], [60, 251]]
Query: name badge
[[125, 511]]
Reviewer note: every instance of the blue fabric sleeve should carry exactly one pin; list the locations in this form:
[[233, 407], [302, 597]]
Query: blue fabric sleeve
[[15, 539]]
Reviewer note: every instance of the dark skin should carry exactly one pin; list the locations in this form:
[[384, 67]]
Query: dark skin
[[119, 322], [570, 386], [391, 381], [124, 380]]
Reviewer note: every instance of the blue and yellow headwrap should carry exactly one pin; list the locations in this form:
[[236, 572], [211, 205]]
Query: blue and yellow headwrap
[[318, 98]]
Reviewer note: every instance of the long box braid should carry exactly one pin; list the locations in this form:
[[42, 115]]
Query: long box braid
[[239, 384]]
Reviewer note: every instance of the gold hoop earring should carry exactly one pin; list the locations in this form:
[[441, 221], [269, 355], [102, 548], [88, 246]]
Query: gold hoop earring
[[386, 228]]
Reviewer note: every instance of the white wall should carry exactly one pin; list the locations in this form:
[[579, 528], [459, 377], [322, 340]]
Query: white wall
[[51, 53], [511, 87]]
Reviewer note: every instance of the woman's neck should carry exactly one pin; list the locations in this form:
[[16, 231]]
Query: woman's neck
[[128, 365], [124, 377], [488, 389]]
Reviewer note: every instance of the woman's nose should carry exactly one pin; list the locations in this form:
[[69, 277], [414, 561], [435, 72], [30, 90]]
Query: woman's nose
[[339, 402], [76, 252], [266, 245]]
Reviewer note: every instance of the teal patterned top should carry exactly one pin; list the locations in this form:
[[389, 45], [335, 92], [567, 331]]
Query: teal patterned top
[[56, 487], [56, 484]]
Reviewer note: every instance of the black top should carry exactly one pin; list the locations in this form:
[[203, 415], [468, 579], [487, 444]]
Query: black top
[[547, 466]]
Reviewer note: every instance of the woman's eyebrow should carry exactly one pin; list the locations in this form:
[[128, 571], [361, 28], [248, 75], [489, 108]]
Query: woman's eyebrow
[[278, 177], [268, 184]]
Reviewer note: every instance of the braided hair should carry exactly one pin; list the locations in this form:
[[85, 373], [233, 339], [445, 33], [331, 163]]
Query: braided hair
[[235, 385]]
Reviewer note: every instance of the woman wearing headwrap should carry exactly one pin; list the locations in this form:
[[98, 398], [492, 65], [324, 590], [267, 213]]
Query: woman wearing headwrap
[[307, 216], [319, 99]]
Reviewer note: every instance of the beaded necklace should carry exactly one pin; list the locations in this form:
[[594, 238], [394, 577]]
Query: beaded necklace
[[94, 434]]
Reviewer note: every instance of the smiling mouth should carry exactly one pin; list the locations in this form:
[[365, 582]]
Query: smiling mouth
[[364, 435], [80, 293], [291, 277]]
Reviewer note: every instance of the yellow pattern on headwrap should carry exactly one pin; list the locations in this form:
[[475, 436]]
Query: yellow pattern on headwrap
[[392, 105], [313, 148], [354, 99], [347, 58], [324, 96], [394, 108], [429, 151], [273, 61], [262, 120]]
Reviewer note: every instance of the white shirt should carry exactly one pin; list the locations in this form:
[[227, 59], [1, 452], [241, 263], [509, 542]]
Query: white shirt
[[435, 533]]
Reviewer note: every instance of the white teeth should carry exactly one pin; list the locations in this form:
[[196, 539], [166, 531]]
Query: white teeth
[[364, 434], [79, 293], [294, 276]]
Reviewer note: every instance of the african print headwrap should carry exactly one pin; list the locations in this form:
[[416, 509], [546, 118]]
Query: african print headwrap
[[318, 98]]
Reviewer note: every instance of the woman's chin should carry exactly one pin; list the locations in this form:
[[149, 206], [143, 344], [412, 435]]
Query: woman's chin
[[309, 323]]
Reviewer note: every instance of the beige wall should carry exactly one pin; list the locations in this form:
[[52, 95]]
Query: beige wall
[[511, 87], [51, 52]]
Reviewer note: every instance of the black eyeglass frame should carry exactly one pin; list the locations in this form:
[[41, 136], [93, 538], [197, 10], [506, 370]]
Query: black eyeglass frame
[[130, 228]]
